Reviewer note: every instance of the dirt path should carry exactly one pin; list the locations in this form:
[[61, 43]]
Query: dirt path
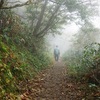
[[54, 84]]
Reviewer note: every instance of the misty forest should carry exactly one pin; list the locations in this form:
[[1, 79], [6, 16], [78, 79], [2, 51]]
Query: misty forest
[[49, 50]]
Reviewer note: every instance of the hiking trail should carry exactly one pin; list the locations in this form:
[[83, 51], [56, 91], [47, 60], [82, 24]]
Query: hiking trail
[[53, 84]]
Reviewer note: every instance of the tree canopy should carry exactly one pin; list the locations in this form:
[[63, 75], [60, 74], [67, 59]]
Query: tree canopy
[[48, 16]]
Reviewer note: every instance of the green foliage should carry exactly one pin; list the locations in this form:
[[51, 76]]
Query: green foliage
[[82, 62], [3, 47], [11, 71], [22, 54], [37, 61], [18, 64], [91, 53]]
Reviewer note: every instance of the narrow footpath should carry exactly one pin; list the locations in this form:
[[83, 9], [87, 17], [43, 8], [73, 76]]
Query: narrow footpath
[[54, 84]]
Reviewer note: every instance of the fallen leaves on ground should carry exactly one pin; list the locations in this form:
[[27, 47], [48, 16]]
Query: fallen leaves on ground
[[51, 84]]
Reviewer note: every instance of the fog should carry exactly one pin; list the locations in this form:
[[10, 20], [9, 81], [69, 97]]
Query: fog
[[63, 41]]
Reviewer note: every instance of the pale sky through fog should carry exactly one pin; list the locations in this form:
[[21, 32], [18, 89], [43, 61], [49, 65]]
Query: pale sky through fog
[[63, 41]]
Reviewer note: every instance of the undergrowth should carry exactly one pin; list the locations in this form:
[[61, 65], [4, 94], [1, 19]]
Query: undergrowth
[[84, 62], [84, 67], [18, 64]]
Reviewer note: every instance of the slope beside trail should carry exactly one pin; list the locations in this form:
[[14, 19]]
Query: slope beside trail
[[53, 84]]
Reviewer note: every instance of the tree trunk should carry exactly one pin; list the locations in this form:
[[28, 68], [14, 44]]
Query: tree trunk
[[38, 25], [49, 23]]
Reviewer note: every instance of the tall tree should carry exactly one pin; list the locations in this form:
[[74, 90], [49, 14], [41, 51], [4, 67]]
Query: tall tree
[[48, 14], [38, 25]]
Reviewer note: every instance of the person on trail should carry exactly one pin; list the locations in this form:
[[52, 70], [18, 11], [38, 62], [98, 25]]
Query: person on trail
[[56, 53]]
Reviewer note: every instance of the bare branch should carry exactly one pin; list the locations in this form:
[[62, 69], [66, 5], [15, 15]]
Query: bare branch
[[51, 19], [15, 2], [15, 6]]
